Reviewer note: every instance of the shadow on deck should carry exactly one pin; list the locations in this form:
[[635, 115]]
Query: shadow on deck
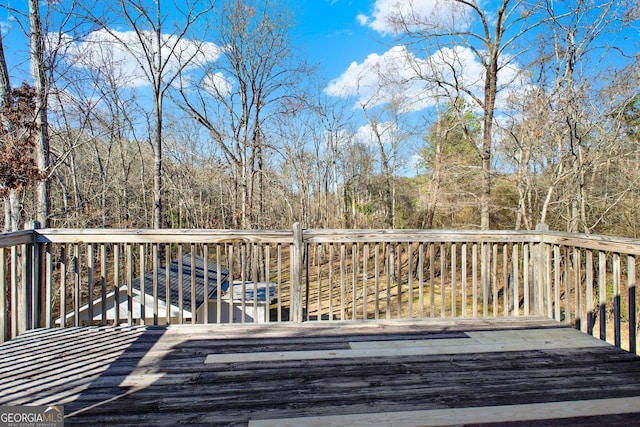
[[523, 370]]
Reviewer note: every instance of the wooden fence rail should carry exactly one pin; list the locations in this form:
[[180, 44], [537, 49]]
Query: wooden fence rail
[[67, 277]]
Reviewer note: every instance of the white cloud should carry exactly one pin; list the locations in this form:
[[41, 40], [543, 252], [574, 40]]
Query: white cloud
[[217, 85], [447, 13], [125, 54], [399, 76], [362, 19], [367, 133], [381, 79], [459, 64]]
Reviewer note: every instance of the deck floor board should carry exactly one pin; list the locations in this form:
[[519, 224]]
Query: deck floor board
[[158, 375]]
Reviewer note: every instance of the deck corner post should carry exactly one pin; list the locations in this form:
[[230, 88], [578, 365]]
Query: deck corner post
[[297, 258], [28, 292], [38, 299]]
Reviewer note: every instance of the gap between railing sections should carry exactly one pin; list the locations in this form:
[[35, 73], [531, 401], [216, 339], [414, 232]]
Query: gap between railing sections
[[60, 277]]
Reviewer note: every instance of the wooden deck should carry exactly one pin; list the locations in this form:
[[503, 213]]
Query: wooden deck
[[506, 371]]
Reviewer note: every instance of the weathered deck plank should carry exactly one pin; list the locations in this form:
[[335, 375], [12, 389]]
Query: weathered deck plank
[[158, 375]]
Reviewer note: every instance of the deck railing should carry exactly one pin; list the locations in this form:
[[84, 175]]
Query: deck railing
[[67, 277]]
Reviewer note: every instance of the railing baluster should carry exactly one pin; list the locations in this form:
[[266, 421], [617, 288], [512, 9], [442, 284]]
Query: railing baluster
[[192, 276], [243, 279], [167, 283], [410, 280], [421, 278], [267, 280], [432, 279], [485, 278], [143, 291], [219, 287], [567, 288], [231, 300], [589, 291], [129, 255], [155, 275], [116, 283], [494, 279], [454, 293], [76, 284], [343, 284], [631, 285], [103, 283], [505, 279], [398, 265], [4, 312], [602, 294], [547, 298], [180, 283], [279, 307], [525, 279], [48, 284], [354, 281], [13, 305], [90, 282], [63, 286], [474, 280], [331, 283], [365, 280], [515, 263], [255, 279], [556, 282], [616, 300], [577, 274], [24, 306], [463, 267], [319, 280], [205, 283], [443, 274]]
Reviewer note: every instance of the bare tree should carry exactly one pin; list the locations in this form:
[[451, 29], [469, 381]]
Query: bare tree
[[563, 134], [162, 51], [387, 137], [98, 111], [239, 94], [455, 28]]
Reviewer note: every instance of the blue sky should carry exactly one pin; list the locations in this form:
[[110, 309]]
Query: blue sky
[[332, 36], [349, 41], [328, 31]]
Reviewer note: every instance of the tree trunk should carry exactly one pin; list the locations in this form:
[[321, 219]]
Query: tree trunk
[[157, 169], [14, 210], [436, 179], [490, 91], [5, 87], [42, 140]]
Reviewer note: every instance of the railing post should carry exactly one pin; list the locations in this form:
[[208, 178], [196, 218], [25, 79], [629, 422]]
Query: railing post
[[297, 258], [34, 277], [631, 284], [26, 308]]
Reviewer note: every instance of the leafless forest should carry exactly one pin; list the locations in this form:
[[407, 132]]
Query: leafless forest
[[251, 139]]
